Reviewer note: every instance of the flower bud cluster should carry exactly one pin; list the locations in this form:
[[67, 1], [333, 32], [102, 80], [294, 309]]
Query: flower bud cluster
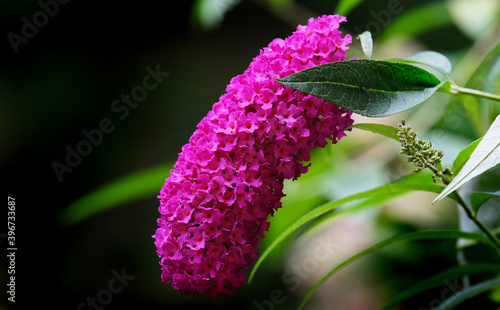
[[421, 153]]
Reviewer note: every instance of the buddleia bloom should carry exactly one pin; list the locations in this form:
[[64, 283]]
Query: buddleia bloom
[[229, 177]]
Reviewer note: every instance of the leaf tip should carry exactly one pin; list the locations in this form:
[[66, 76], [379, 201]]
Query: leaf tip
[[366, 43]]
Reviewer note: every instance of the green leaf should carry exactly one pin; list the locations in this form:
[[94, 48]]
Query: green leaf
[[411, 236], [477, 199], [317, 225], [485, 156], [366, 43], [430, 58], [485, 77], [468, 293], [396, 187], [432, 62], [464, 156], [438, 280], [124, 190], [424, 178], [367, 87], [346, 6], [385, 130]]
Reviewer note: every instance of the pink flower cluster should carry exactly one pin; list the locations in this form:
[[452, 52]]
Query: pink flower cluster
[[229, 177]]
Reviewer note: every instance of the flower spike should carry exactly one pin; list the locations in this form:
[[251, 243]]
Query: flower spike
[[229, 178]]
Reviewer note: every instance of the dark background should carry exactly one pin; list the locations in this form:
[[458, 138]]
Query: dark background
[[64, 80]]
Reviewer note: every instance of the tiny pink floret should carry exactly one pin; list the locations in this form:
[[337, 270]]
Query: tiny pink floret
[[229, 178]]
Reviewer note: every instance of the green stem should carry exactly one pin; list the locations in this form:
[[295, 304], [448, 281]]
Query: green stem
[[457, 90], [468, 211], [481, 226]]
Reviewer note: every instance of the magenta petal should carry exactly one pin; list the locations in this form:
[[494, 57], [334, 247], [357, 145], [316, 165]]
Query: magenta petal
[[229, 177]]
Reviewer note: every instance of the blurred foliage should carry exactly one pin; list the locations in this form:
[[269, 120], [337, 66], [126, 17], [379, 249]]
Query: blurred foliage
[[65, 78], [135, 186]]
